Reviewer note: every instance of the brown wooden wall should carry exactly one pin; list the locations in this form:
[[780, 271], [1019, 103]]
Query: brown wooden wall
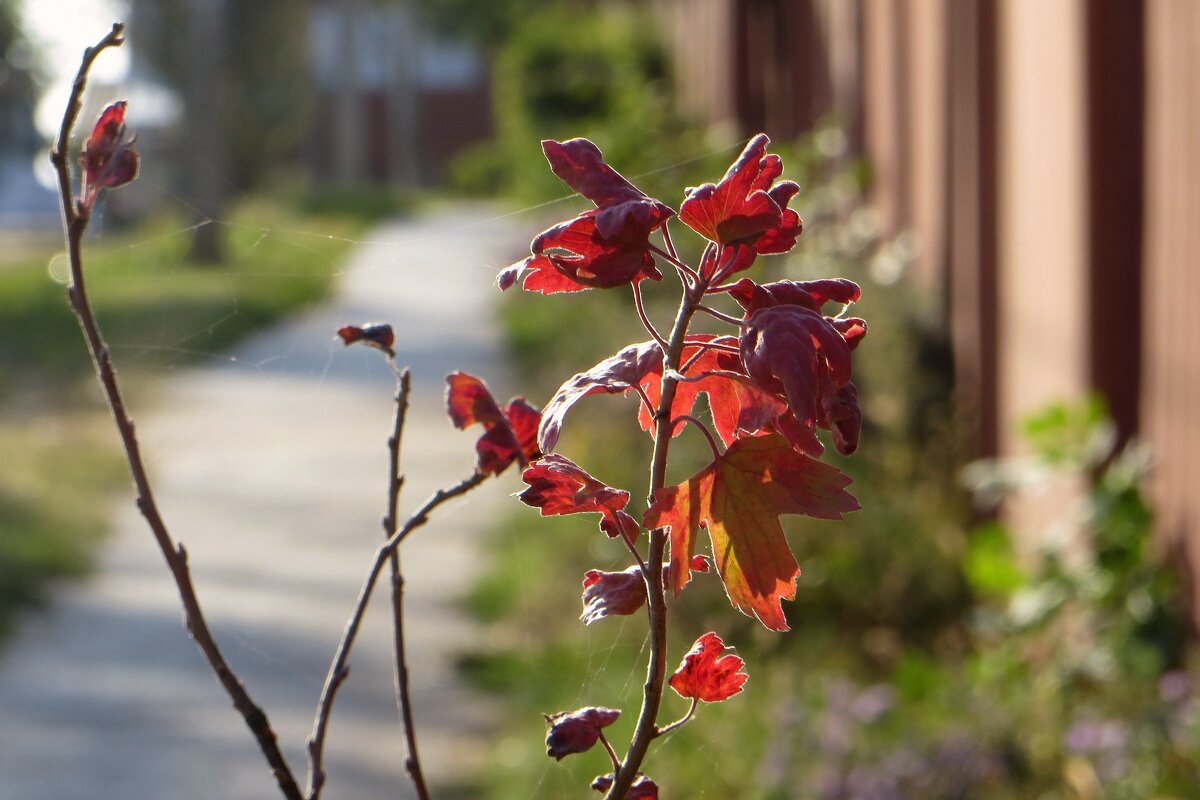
[[1045, 157]]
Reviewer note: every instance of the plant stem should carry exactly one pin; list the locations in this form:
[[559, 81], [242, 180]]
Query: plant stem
[[412, 763], [712, 442], [679, 723], [646, 323], [75, 223], [656, 609], [338, 668]]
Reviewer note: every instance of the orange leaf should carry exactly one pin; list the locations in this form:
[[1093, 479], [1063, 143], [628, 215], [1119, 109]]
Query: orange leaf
[[738, 499]]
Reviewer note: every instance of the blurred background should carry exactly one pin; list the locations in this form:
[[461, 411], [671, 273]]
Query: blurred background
[[1016, 185]]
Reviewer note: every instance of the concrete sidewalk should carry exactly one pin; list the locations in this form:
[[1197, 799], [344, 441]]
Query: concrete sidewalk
[[271, 469]]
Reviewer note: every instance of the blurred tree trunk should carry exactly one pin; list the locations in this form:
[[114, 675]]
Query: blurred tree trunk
[[204, 151]]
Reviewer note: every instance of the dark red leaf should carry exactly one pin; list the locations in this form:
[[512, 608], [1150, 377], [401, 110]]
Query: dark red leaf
[[557, 485], [788, 351], [579, 251], [108, 158], [738, 499], [580, 165], [607, 594], [603, 248], [509, 435], [373, 334], [576, 731], [810, 294], [615, 374], [642, 787], [708, 673]]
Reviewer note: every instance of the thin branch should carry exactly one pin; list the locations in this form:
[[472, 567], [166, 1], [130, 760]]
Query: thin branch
[[646, 323], [645, 399], [632, 547], [679, 723], [75, 223], [412, 763], [667, 241], [338, 668], [612, 754], [686, 274], [712, 312], [712, 442], [702, 346]]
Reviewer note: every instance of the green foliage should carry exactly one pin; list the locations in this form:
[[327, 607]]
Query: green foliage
[[58, 458], [571, 70]]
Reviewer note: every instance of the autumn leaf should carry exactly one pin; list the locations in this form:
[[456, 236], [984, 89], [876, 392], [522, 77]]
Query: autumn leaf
[[618, 373], [707, 673], [738, 499], [108, 158], [602, 248], [373, 334], [557, 485], [576, 731], [746, 212], [607, 594], [510, 434]]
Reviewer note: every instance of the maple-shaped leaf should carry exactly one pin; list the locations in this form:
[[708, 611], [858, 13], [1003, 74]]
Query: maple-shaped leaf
[[794, 352], [707, 673], [557, 485], [373, 334], [576, 731], [510, 434], [738, 499], [617, 373], [737, 405], [108, 158], [744, 212], [642, 787]]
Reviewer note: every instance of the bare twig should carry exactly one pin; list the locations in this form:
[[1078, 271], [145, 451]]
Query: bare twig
[[338, 669], [75, 220], [412, 764]]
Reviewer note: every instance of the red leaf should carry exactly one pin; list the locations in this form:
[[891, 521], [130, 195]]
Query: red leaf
[[736, 406], [745, 209], [791, 351], [738, 499], [810, 294], [576, 731], [108, 158], [606, 594], [642, 787], [615, 374], [578, 250], [707, 673], [509, 435], [603, 248], [557, 485], [373, 334], [580, 165]]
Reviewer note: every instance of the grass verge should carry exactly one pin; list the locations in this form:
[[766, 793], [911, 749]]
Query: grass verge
[[59, 459]]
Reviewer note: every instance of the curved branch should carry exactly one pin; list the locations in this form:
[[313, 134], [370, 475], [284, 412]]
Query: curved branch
[[712, 441], [75, 222]]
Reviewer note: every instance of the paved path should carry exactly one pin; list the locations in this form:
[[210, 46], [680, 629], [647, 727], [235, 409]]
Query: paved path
[[271, 469]]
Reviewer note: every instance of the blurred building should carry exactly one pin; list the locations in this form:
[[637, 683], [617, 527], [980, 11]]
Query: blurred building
[[1045, 158], [395, 102]]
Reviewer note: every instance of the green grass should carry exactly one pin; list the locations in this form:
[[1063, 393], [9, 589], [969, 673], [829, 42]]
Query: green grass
[[59, 457]]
